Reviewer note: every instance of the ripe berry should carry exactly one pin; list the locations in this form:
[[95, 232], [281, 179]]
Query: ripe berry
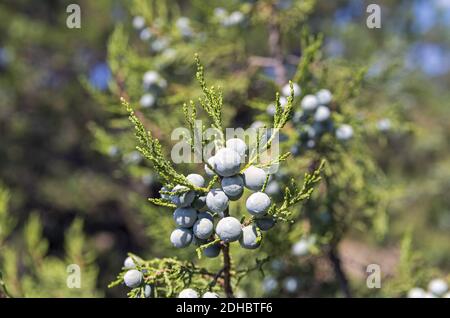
[[133, 278], [210, 295], [147, 291], [147, 100], [229, 229], [212, 251], [188, 293], [309, 103], [206, 215], [150, 78], [185, 217], [208, 170], [181, 237], [129, 263], [233, 187], [227, 162], [249, 238], [254, 178], [203, 228], [199, 202], [438, 287], [196, 180], [322, 114], [138, 22], [237, 145], [258, 203], [184, 199], [286, 90], [324, 96], [265, 223], [344, 132], [216, 200]]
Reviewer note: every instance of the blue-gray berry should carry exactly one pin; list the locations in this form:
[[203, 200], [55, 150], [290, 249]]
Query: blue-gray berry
[[233, 187], [203, 228], [229, 229], [181, 237], [309, 103], [254, 178], [129, 263], [249, 238], [227, 162], [133, 278], [183, 199], [188, 293], [237, 145], [217, 201], [324, 96], [265, 223], [212, 251], [147, 291], [258, 203], [185, 217], [196, 180]]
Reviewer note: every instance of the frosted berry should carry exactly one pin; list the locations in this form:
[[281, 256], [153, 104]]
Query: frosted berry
[[133, 278], [254, 178], [216, 200], [185, 217], [147, 291], [437, 287], [416, 292], [147, 100], [129, 263], [233, 186], [309, 103], [181, 237], [210, 295], [258, 203], [344, 132], [229, 229], [324, 96], [249, 238], [188, 293], [203, 228], [196, 180], [322, 114], [184, 199], [208, 170], [237, 145], [227, 162]]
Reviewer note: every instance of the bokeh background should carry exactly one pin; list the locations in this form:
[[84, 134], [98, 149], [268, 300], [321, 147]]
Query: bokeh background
[[74, 189]]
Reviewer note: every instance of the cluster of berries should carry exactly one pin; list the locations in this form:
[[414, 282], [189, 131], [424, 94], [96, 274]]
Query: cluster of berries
[[153, 84], [228, 19], [133, 278], [314, 121], [196, 212]]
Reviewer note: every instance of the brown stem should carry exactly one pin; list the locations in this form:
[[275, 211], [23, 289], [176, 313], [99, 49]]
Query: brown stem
[[335, 260], [227, 266]]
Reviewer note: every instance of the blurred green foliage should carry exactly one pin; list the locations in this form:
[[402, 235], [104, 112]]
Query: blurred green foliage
[[77, 189]]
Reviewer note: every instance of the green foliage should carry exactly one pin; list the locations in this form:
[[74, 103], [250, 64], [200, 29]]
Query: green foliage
[[41, 274]]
